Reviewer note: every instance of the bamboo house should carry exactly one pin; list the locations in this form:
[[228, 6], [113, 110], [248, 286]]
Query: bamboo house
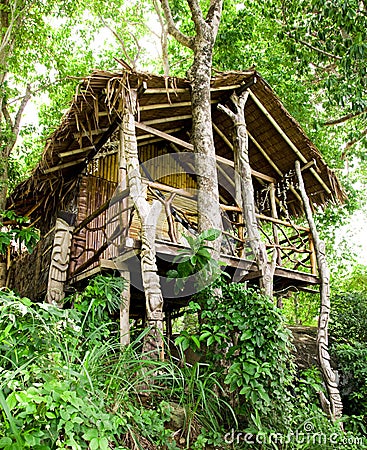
[[79, 195]]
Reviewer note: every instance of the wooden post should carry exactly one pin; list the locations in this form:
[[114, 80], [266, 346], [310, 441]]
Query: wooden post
[[3, 273], [238, 196], [247, 192], [60, 258], [334, 407], [148, 215], [123, 184], [168, 325], [274, 214], [125, 309], [313, 260]]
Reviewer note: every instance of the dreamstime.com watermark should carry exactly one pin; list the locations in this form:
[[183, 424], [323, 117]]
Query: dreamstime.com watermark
[[307, 435]]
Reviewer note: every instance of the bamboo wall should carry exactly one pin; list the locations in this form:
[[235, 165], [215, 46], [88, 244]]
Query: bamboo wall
[[98, 187], [93, 193]]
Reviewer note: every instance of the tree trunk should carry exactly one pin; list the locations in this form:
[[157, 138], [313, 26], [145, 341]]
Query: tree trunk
[[206, 29], [148, 215], [336, 406], [209, 215], [244, 186], [3, 180]]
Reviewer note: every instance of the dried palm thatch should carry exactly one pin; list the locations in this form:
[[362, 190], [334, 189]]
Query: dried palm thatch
[[276, 139]]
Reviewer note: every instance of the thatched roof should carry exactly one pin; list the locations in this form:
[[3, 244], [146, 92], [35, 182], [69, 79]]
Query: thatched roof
[[276, 139]]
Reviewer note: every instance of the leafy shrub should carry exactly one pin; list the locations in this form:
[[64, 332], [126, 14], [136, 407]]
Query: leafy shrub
[[348, 329], [17, 231], [62, 386], [65, 382], [348, 317], [196, 263], [244, 334]]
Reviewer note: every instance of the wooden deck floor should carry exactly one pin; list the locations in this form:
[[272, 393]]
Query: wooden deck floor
[[240, 269]]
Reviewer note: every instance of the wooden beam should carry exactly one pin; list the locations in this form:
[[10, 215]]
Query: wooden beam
[[186, 90], [150, 135], [265, 155], [166, 188], [168, 119], [166, 91], [164, 106], [255, 173], [271, 162], [308, 165], [281, 222], [76, 151], [223, 136], [89, 133], [169, 105], [287, 140], [296, 276], [142, 126], [150, 141], [63, 166]]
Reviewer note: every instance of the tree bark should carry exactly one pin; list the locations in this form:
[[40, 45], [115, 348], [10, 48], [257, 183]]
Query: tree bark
[[336, 406], [209, 214], [202, 138], [148, 215], [245, 191]]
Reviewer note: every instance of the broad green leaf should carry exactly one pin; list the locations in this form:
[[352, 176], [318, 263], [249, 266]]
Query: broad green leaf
[[5, 441], [90, 434], [210, 235], [196, 341]]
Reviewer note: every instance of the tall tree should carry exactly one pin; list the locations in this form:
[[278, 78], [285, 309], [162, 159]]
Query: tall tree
[[35, 54], [202, 44]]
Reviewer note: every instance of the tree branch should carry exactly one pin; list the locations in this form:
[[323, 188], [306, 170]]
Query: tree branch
[[15, 125], [227, 111], [7, 116], [310, 46], [350, 144], [196, 13], [23, 104], [132, 62], [344, 118], [163, 38], [182, 38], [214, 15]]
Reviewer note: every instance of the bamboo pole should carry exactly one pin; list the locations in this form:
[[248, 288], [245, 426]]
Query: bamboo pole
[[274, 214], [288, 141]]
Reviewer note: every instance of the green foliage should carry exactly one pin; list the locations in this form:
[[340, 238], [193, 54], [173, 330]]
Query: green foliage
[[197, 262], [244, 334], [301, 308], [18, 231], [349, 346], [309, 427], [349, 317], [102, 295], [63, 387], [65, 382]]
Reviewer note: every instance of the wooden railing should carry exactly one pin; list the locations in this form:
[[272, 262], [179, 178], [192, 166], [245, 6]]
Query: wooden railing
[[104, 232]]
